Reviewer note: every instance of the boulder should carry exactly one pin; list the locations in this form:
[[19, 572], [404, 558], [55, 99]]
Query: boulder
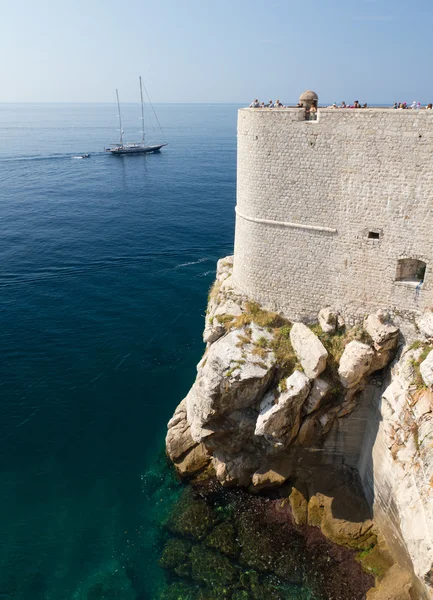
[[299, 506], [383, 334], [231, 376], [188, 457], [232, 432], [214, 328], [178, 440], [422, 403], [310, 351], [425, 324], [308, 432], [280, 415], [349, 532], [319, 391], [355, 363], [274, 474], [235, 469], [426, 370], [395, 585], [193, 461], [327, 320]]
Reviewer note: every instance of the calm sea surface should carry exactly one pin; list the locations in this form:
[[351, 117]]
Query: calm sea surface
[[105, 267]]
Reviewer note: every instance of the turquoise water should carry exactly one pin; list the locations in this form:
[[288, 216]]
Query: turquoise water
[[106, 263]]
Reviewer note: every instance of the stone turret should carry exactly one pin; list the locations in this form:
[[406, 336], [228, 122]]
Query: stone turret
[[309, 99]]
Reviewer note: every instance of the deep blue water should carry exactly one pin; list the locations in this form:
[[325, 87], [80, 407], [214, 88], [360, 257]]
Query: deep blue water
[[105, 267]]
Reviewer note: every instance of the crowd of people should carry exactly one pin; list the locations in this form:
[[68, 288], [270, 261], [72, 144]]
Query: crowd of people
[[277, 104], [356, 104], [414, 106]]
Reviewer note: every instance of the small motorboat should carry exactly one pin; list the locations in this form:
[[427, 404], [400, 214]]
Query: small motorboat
[[85, 155]]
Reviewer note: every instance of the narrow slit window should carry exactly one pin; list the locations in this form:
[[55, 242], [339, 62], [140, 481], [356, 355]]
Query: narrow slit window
[[410, 269], [373, 235]]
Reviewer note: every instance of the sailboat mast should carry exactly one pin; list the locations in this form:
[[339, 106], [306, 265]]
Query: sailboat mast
[[142, 112], [120, 118]]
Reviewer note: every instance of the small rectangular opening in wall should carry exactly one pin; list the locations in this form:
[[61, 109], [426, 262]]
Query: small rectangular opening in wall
[[373, 235]]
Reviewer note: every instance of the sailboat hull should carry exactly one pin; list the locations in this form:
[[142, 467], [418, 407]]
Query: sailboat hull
[[135, 149]]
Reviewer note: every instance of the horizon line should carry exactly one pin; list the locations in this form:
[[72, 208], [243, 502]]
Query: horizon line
[[178, 103]]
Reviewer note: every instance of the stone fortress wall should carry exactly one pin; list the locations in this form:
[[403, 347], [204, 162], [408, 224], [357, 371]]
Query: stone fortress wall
[[336, 211]]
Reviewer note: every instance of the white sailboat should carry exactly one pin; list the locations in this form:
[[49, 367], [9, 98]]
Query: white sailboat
[[135, 147]]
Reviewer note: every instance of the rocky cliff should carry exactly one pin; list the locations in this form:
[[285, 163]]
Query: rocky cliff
[[337, 419]]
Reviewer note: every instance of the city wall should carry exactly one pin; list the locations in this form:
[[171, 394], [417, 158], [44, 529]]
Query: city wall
[[335, 212]]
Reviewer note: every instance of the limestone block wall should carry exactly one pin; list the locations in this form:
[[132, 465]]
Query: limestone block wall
[[327, 208]]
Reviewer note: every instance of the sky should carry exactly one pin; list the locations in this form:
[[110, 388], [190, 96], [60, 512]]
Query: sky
[[231, 51]]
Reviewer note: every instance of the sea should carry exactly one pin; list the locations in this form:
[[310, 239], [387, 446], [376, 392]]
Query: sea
[[105, 265]]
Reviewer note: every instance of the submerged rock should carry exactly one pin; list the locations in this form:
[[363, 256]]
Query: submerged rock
[[223, 539], [179, 591], [176, 552], [108, 582], [211, 567], [257, 551], [192, 519]]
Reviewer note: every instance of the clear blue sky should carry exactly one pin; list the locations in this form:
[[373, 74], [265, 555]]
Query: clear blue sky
[[216, 50]]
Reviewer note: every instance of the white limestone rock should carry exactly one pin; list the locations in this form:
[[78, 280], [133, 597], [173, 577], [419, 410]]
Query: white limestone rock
[[426, 369], [178, 440], [229, 377], [327, 320], [425, 324], [310, 351], [221, 302], [407, 429], [280, 416], [383, 334], [354, 364], [188, 456], [214, 328], [319, 390], [423, 404]]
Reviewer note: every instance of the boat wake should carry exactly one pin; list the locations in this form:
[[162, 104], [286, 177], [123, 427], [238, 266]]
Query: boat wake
[[47, 157], [193, 262]]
